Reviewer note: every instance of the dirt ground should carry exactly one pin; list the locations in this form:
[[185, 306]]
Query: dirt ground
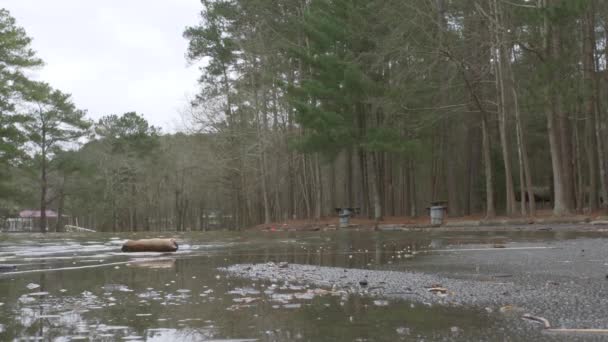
[[329, 223]]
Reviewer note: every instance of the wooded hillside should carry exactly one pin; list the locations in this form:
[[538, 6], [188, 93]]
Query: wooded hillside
[[308, 105]]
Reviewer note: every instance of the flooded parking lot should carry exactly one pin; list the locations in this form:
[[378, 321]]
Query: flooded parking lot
[[82, 287]]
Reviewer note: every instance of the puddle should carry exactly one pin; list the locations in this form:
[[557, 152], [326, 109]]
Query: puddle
[[84, 288]]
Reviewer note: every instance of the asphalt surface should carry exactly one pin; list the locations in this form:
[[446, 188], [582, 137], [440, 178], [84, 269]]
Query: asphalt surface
[[563, 281]]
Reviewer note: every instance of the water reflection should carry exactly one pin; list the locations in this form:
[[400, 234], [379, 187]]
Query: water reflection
[[182, 296]]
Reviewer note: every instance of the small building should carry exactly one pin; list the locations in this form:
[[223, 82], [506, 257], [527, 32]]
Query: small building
[[29, 221]]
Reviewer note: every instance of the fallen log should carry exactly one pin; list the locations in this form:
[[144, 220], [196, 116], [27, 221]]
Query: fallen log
[[150, 245]]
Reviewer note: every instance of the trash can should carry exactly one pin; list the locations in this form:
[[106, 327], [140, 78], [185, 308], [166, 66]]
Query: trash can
[[437, 213], [344, 215]]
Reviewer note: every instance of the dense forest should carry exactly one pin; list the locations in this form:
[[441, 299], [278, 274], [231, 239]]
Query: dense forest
[[309, 105]]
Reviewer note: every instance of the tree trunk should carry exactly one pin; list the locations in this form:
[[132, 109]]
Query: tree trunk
[[59, 224], [579, 187], [43, 183], [522, 147], [263, 175], [373, 181], [412, 189], [487, 161], [560, 203], [318, 187], [589, 104], [349, 178], [601, 157], [504, 103]]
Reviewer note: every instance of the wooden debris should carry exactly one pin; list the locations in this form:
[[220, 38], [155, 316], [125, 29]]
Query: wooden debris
[[537, 319], [578, 331], [442, 290], [75, 229], [506, 308]]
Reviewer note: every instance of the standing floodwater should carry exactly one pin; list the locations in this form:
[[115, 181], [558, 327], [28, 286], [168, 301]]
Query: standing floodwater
[[83, 287]]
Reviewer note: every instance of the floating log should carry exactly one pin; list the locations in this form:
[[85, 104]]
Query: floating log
[[150, 245]]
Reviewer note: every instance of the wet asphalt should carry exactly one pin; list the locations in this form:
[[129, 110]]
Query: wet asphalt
[[563, 281]]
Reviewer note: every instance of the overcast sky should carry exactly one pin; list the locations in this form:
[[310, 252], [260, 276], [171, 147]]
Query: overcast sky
[[115, 56]]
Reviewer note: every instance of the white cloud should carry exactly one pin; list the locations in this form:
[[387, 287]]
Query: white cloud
[[114, 56]]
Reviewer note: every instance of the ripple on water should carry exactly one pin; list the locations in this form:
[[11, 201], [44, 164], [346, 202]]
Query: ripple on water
[[244, 291], [116, 287]]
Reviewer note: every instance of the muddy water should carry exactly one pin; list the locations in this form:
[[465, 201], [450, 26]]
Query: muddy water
[[81, 287]]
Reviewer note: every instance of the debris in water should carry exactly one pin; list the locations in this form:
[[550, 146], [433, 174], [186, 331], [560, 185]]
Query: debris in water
[[438, 290], [49, 316], [244, 291], [25, 299], [580, 331], [32, 286], [244, 300], [282, 298], [308, 295], [381, 302], [537, 319], [506, 308], [403, 331]]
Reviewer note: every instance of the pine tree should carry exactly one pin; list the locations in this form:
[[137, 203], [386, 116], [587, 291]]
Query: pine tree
[[53, 120], [16, 56]]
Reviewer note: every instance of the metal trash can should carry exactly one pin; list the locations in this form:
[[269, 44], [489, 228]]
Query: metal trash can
[[437, 213], [344, 215]]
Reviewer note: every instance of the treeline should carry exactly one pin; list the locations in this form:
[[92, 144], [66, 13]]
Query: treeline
[[389, 105], [36, 121], [309, 105], [131, 178], [116, 174]]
